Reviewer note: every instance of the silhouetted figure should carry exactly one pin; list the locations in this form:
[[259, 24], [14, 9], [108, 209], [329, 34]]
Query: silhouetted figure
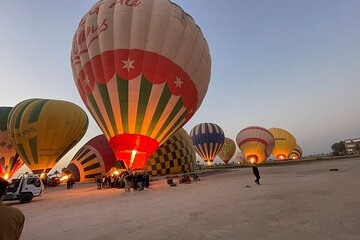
[[99, 182], [147, 180], [11, 219], [256, 173]]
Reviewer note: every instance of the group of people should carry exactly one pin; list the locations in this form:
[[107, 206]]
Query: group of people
[[137, 181]]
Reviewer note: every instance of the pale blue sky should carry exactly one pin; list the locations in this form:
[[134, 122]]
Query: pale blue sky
[[280, 63]]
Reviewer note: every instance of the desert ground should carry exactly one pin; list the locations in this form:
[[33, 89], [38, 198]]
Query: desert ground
[[303, 201]]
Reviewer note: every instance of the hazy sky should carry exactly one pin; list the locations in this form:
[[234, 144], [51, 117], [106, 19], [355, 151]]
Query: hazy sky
[[288, 64]]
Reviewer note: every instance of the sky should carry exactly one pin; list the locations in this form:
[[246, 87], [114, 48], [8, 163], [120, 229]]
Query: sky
[[275, 63]]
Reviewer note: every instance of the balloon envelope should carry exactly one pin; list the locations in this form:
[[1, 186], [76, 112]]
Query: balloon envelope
[[296, 153], [208, 139], [176, 155], [256, 143], [94, 159], [142, 69], [284, 143], [43, 131], [227, 150], [9, 159], [240, 158]]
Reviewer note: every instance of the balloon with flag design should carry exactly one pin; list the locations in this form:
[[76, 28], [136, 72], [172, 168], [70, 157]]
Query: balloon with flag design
[[227, 150], [208, 138], [142, 69], [43, 131], [9, 159], [256, 143], [284, 143], [296, 153]]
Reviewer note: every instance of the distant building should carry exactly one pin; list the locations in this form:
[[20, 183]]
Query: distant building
[[352, 146]]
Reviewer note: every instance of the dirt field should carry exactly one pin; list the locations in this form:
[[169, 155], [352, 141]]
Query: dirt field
[[304, 201]]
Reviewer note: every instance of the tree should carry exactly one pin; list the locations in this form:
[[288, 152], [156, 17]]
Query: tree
[[339, 148]]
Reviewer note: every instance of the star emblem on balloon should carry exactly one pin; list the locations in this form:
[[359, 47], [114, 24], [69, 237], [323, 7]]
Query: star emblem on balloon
[[178, 82], [128, 64]]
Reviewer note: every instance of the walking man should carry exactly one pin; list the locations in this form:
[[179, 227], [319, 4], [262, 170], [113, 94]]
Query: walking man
[[256, 173]]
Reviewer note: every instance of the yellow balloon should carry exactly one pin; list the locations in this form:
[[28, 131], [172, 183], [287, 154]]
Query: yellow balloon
[[284, 143], [227, 150], [43, 131]]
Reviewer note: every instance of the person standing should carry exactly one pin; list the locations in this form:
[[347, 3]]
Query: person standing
[[11, 219], [256, 173]]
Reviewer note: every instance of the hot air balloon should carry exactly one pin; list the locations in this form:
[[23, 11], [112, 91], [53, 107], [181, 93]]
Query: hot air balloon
[[240, 159], [256, 143], [43, 131], [94, 159], [296, 153], [142, 69], [227, 150], [176, 155], [9, 159], [284, 143], [208, 139]]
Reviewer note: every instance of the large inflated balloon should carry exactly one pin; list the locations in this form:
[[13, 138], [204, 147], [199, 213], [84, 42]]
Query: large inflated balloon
[[284, 143], [208, 139], [256, 143], [95, 158], [227, 150], [9, 159], [240, 159], [296, 153], [43, 131], [176, 155], [142, 69]]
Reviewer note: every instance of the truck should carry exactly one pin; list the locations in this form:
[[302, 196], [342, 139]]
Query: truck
[[24, 188]]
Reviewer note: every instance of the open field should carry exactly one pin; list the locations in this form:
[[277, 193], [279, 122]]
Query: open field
[[302, 201]]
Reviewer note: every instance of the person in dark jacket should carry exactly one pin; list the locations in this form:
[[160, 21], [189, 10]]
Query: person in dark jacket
[[256, 173]]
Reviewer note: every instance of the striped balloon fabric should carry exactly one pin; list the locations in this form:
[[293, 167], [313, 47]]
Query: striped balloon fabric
[[42, 131], [208, 138], [9, 159], [296, 153], [256, 143], [142, 69], [176, 155], [95, 158]]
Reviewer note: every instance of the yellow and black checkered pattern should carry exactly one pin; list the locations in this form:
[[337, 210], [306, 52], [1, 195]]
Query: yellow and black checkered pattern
[[175, 156]]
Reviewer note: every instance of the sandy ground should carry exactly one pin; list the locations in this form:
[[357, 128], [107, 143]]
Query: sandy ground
[[304, 201]]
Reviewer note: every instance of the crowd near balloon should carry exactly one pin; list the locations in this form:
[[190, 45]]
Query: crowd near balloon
[[142, 71]]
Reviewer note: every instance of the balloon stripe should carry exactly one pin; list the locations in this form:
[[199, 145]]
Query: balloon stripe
[[112, 87], [171, 116], [93, 166], [133, 101], [92, 176], [4, 113], [89, 158], [35, 112], [123, 89], [70, 146], [107, 104], [21, 151], [144, 96], [155, 95], [179, 123], [98, 114], [32, 144], [164, 99], [19, 112]]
